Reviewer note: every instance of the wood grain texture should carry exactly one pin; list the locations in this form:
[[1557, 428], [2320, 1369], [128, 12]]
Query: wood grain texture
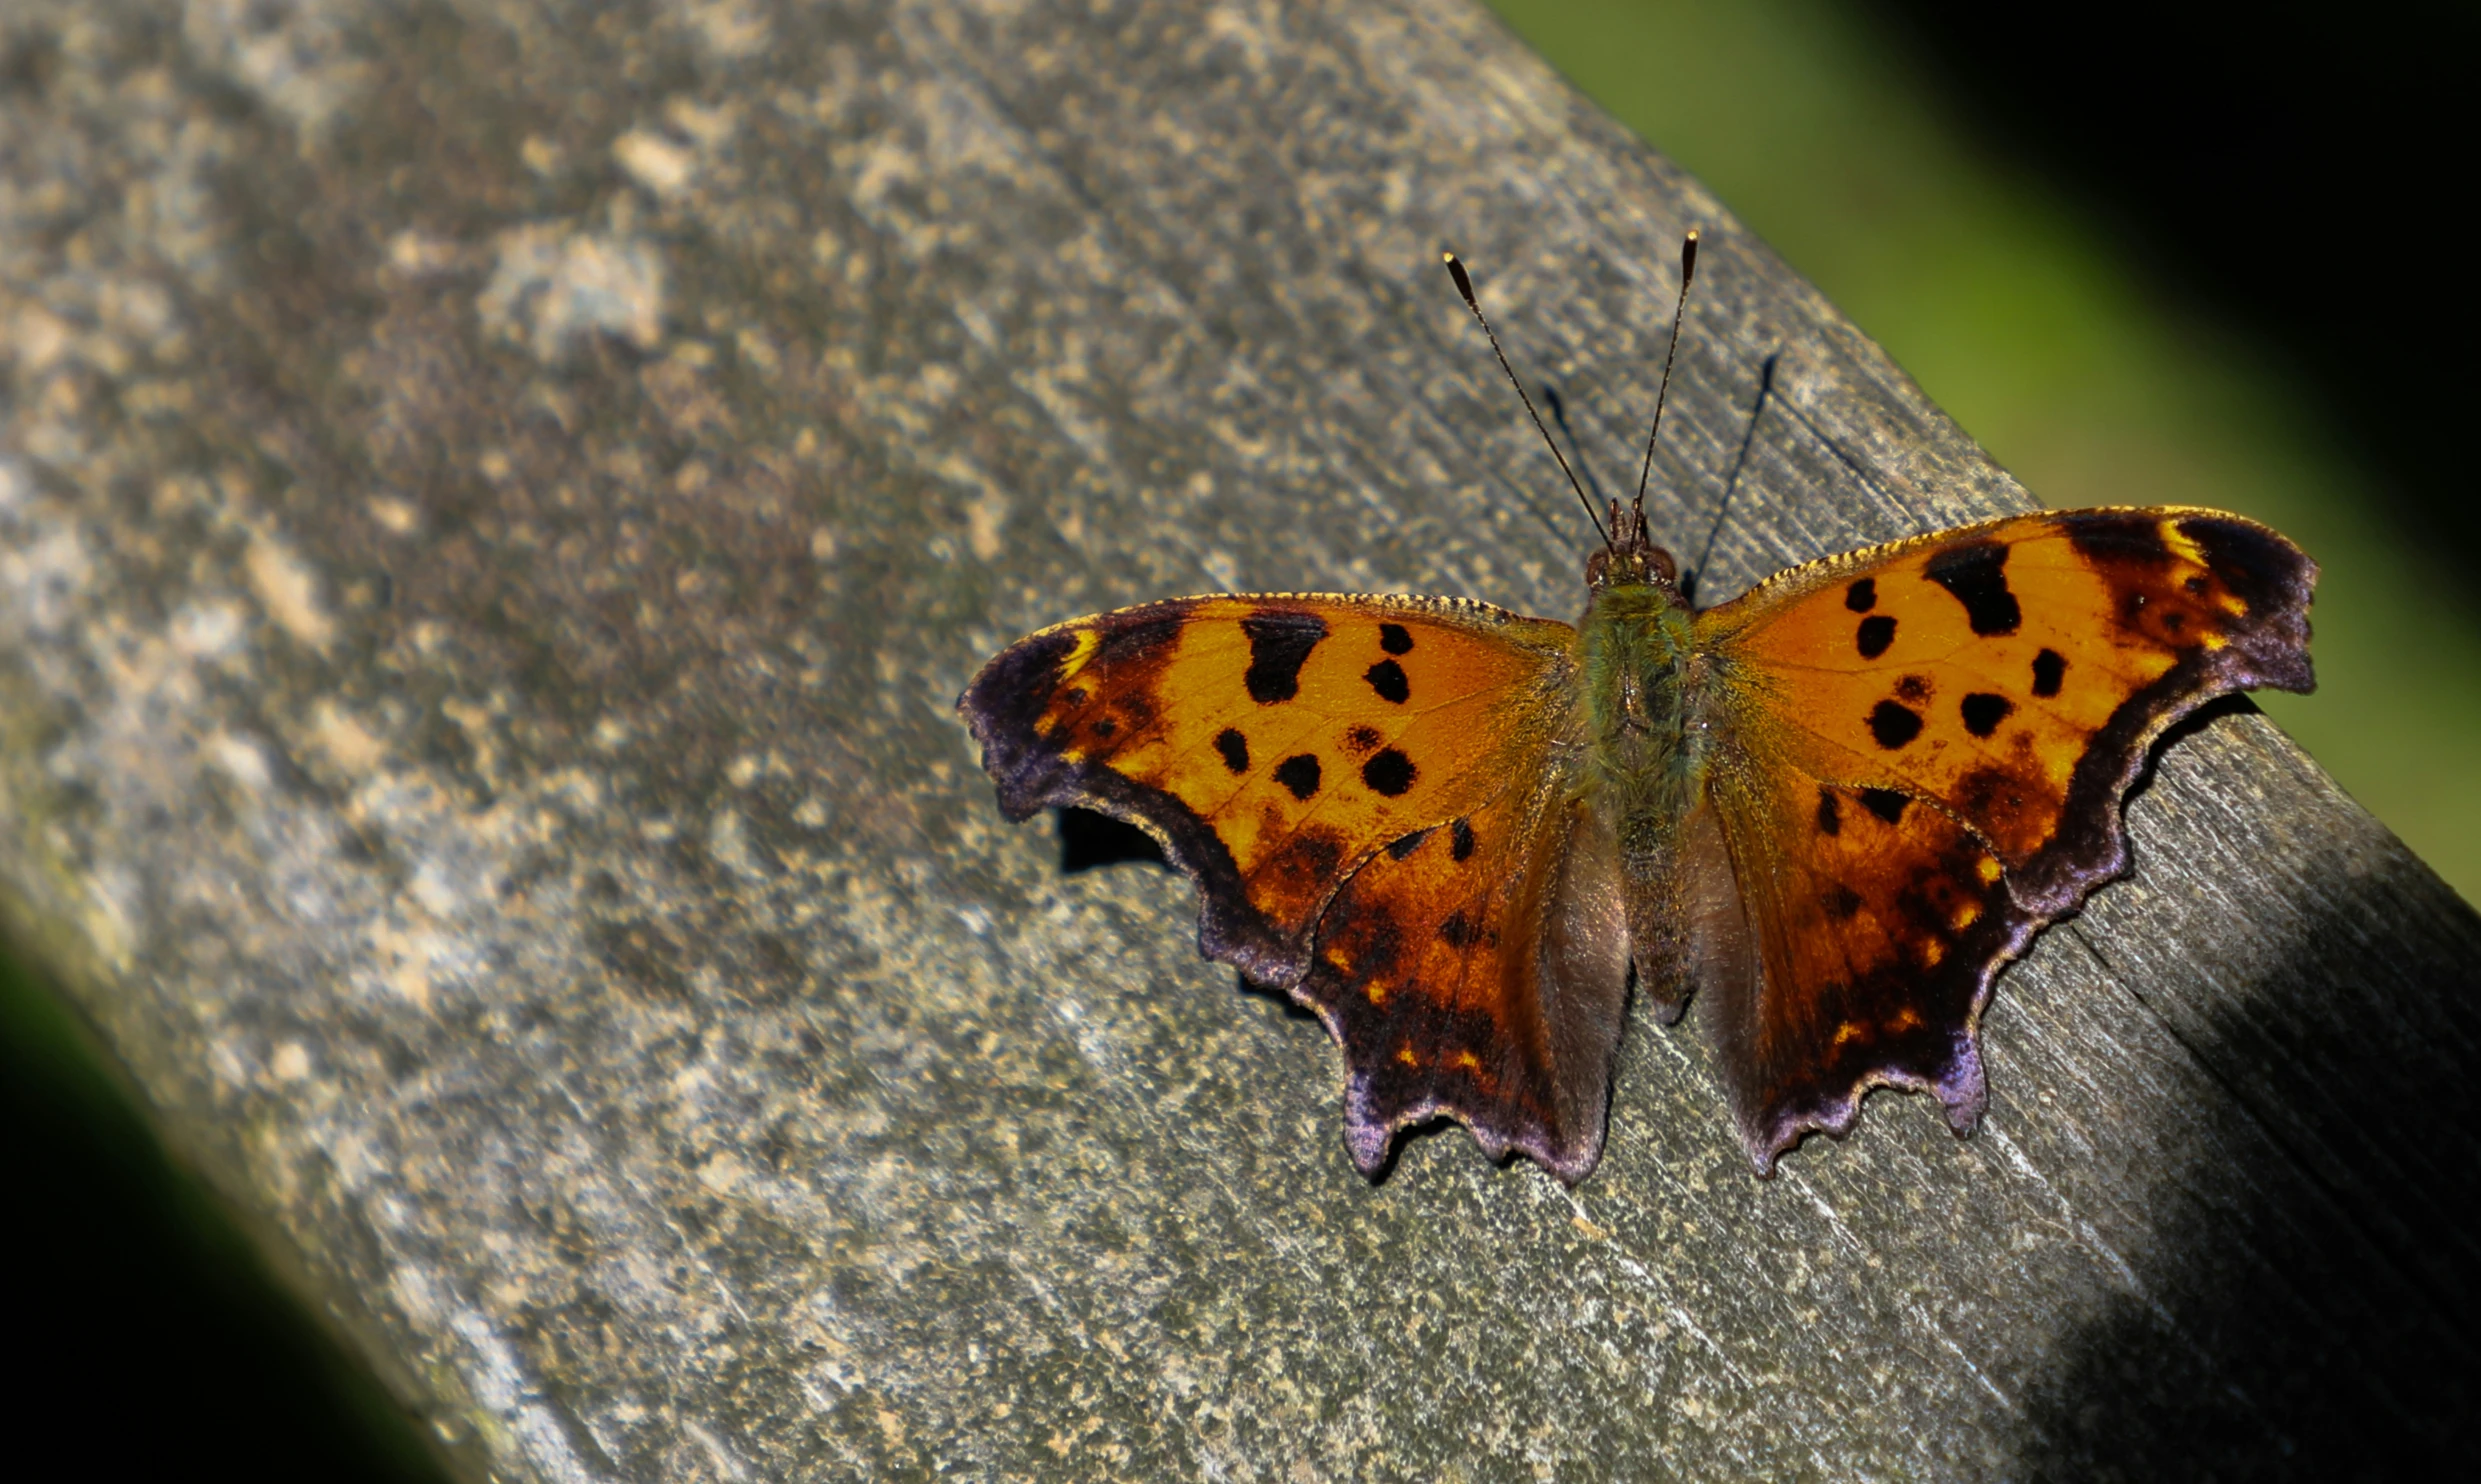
[[497, 502]]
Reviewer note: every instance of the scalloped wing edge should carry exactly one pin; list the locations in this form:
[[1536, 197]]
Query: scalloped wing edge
[[1962, 1091], [1371, 1139]]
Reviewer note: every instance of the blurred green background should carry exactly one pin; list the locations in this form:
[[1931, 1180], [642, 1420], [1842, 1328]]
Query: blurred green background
[[2109, 243], [2142, 257]]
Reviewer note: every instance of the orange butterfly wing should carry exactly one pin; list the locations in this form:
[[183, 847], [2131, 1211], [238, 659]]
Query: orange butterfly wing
[[1921, 753], [1366, 792]]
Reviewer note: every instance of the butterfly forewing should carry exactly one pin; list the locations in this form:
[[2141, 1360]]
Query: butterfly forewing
[[2016, 672]]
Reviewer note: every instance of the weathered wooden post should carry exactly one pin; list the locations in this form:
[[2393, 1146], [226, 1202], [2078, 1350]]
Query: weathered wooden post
[[497, 502]]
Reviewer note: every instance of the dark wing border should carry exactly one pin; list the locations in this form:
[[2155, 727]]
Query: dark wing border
[[2269, 649]]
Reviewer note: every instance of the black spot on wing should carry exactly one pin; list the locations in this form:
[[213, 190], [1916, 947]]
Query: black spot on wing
[[1913, 688], [1843, 904], [1393, 638], [1133, 643], [1298, 774], [1104, 726], [1983, 712], [1877, 632], [1279, 644], [1389, 773], [1235, 749], [2120, 540], [1862, 596], [1361, 739], [1456, 931], [2254, 565], [1387, 678], [1894, 725], [1404, 845], [1886, 803], [1460, 841], [1830, 815], [1976, 576], [2049, 668]]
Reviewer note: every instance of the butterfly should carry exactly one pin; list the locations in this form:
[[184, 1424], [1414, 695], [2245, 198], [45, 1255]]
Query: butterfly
[[1827, 812]]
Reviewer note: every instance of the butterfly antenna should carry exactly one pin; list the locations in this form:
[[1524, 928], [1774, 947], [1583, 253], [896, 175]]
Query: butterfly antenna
[[1688, 271], [1464, 286]]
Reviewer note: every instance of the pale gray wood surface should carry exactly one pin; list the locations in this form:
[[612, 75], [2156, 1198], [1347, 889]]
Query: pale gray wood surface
[[497, 501]]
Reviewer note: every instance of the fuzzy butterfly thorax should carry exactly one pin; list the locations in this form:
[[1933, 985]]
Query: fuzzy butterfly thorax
[[1826, 812]]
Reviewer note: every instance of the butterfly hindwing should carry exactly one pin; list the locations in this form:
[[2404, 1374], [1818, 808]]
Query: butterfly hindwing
[[1371, 796], [1876, 924], [1479, 971], [1936, 735]]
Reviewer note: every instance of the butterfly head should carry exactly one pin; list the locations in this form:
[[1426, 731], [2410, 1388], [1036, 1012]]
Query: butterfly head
[[1631, 558]]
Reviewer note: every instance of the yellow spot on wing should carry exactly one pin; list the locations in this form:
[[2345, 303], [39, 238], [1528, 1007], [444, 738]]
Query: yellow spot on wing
[[1904, 1019], [1989, 869], [2187, 550], [2180, 544], [1846, 1032], [1405, 1055], [1931, 952], [1088, 641], [1966, 915], [1468, 1061]]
